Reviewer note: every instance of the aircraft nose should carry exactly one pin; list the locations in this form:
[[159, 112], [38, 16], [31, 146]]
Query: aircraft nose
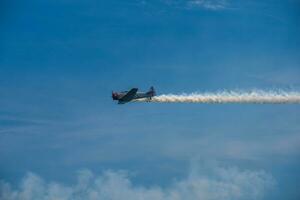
[[114, 95]]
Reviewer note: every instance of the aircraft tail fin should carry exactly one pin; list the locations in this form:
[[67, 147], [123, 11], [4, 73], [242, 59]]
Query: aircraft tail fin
[[152, 91]]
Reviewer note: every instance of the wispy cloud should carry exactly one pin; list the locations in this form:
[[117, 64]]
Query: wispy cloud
[[191, 4], [235, 149], [208, 4], [224, 183]]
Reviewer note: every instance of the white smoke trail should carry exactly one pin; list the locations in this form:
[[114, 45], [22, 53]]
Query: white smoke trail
[[257, 96]]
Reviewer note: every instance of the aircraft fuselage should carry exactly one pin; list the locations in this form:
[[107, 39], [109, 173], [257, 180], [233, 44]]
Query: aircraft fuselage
[[127, 96]]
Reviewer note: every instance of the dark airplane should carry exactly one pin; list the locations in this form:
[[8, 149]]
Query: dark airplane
[[127, 96]]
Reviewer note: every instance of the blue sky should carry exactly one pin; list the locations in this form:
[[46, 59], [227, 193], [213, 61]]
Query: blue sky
[[60, 60]]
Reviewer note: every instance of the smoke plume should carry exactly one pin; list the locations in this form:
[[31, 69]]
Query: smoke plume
[[257, 96]]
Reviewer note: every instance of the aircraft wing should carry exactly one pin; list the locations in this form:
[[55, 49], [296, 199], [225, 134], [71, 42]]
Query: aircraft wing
[[129, 96]]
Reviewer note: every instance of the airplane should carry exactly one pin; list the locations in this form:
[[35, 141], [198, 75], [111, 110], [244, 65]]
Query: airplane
[[127, 96]]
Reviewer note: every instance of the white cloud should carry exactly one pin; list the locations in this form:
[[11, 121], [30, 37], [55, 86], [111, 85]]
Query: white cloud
[[223, 183]]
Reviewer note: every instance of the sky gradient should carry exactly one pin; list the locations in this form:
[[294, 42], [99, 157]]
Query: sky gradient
[[61, 135]]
